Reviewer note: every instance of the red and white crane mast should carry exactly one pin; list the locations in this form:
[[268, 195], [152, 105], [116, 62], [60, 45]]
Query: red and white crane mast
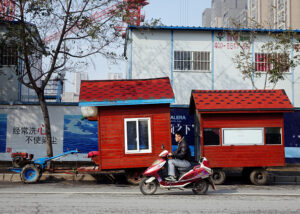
[[130, 9]]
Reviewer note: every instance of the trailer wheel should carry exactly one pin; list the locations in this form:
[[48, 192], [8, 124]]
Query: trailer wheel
[[30, 174], [200, 187], [259, 177], [218, 176]]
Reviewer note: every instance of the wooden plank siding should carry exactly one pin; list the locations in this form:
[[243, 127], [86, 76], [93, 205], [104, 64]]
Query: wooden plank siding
[[112, 135], [244, 155]]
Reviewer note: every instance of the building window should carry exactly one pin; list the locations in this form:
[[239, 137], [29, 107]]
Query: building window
[[263, 61], [191, 61], [211, 137], [137, 135], [273, 135], [8, 56]]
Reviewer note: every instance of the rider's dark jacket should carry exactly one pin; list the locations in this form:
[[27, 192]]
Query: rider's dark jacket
[[183, 151]]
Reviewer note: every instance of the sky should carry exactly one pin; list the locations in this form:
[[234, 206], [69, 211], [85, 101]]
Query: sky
[[170, 12]]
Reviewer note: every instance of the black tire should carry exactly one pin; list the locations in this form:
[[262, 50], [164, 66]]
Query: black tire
[[259, 177], [18, 162], [30, 174], [148, 188], [218, 176], [200, 187]]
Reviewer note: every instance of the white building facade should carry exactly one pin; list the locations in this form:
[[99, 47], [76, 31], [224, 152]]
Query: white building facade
[[12, 68], [198, 58]]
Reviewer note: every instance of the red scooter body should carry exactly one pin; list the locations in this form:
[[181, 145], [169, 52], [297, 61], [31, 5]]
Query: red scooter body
[[197, 176]]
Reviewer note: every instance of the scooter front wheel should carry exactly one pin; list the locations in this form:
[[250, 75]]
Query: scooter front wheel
[[200, 187], [148, 188]]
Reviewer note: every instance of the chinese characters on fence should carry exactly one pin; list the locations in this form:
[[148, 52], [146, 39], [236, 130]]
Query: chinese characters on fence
[[33, 135]]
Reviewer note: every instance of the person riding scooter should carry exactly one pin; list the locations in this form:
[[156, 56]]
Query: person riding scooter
[[181, 157]]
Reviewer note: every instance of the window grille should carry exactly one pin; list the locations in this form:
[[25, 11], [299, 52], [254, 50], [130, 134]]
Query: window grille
[[191, 61], [8, 56], [263, 61]]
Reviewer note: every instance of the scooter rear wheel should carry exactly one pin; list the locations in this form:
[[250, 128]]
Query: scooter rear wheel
[[200, 187], [148, 188]]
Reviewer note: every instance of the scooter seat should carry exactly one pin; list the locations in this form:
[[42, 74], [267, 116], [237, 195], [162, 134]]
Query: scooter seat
[[186, 169]]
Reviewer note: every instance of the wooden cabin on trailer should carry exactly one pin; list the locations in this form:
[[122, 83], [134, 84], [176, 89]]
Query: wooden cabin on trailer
[[240, 128], [133, 121]]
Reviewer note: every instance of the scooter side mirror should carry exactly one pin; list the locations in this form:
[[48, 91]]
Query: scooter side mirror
[[162, 146]]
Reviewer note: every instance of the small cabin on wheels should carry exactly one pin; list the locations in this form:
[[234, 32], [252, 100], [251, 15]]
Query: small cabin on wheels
[[133, 121], [240, 128]]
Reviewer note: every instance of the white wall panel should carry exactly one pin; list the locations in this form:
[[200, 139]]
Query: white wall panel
[[8, 85], [151, 54]]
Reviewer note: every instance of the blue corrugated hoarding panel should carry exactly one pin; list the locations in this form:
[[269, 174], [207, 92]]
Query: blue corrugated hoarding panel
[[182, 121], [3, 127], [292, 136], [80, 134]]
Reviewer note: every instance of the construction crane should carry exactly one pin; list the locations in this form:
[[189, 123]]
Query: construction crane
[[131, 15], [130, 9]]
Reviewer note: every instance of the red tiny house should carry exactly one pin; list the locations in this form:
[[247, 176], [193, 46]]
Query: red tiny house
[[240, 128], [113, 146], [243, 155], [133, 120]]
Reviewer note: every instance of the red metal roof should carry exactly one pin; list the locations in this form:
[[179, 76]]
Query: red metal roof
[[137, 91], [240, 100]]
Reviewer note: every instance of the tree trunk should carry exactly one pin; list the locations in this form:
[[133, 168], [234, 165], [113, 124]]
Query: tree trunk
[[45, 112]]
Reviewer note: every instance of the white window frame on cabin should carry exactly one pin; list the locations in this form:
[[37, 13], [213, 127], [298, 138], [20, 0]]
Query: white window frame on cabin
[[138, 149]]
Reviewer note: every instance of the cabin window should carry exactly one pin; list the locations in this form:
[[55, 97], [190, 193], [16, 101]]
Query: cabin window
[[243, 136], [211, 137], [137, 135], [191, 61], [273, 135]]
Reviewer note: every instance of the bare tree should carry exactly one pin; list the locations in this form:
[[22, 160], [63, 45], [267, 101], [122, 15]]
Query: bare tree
[[61, 34], [272, 59]]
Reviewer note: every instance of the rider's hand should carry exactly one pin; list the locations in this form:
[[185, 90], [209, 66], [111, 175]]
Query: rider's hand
[[170, 154]]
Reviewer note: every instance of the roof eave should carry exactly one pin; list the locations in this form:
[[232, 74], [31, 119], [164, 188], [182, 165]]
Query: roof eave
[[128, 102], [219, 111], [210, 28]]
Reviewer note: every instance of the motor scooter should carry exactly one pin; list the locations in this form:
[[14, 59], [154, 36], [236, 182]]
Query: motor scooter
[[196, 177]]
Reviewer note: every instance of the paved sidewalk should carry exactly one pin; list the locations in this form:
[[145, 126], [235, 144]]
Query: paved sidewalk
[[277, 175], [14, 177]]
